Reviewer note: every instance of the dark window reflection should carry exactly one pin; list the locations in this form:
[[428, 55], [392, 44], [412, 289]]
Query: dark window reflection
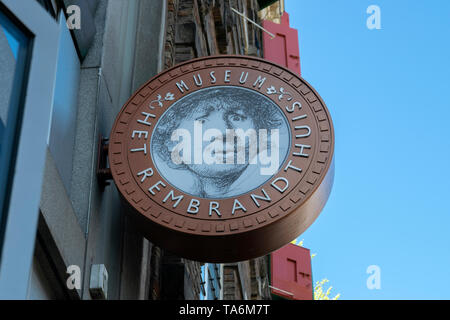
[[14, 50]]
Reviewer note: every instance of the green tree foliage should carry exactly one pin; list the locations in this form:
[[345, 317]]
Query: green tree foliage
[[321, 292]]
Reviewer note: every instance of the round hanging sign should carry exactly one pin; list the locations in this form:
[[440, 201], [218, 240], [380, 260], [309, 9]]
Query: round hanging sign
[[224, 158]]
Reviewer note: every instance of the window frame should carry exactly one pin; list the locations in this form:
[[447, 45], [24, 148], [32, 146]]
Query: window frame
[[25, 193], [14, 108]]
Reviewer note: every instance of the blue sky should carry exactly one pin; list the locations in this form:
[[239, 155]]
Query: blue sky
[[388, 94]]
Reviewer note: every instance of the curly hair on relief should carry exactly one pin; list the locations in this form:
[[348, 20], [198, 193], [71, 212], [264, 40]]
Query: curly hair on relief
[[263, 112]]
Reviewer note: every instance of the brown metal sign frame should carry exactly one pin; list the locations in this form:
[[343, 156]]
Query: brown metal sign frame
[[265, 225]]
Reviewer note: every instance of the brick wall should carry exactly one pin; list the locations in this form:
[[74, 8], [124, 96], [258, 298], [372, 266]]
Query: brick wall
[[197, 28]]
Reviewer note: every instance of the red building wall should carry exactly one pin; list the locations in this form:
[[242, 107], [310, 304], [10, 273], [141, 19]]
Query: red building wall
[[284, 48], [291, 275]]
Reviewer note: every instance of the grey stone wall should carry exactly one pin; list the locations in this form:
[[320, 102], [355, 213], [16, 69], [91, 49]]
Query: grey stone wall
[[87, 226], [123, 45]]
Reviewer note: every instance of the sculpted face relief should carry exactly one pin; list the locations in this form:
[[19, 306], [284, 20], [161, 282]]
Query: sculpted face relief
[[223, 158], [225, 141]]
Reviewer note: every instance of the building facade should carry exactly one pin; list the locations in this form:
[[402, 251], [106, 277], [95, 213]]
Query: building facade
[[63, 233]]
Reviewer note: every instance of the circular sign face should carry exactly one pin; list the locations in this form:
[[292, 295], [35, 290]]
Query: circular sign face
[[224, 158], [218, 109]]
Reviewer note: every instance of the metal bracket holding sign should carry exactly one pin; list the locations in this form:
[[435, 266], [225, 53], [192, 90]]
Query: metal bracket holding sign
[[103, 170]]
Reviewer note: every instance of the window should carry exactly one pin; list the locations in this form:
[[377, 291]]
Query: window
[[15, 46], [29, 47]]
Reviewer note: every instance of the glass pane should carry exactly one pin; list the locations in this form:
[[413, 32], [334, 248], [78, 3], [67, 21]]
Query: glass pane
[[14, 45], [9, 48]]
